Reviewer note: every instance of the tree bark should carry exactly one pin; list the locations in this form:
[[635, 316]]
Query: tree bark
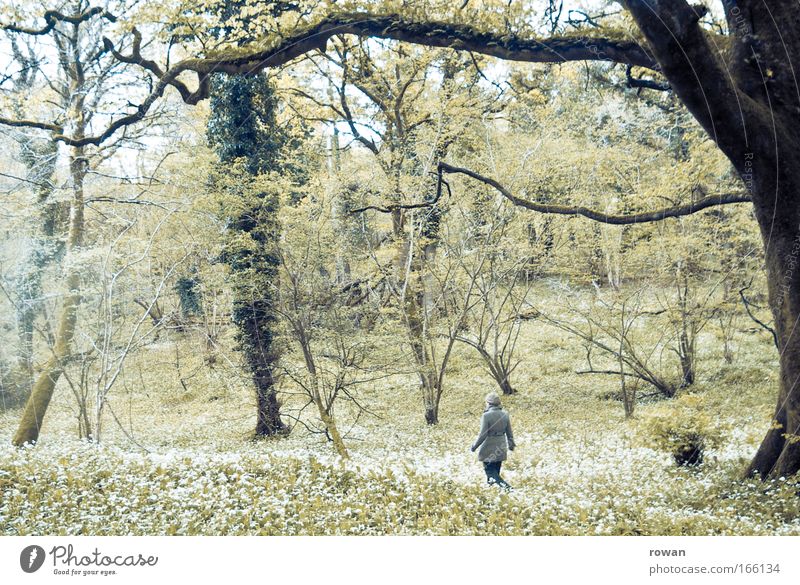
[[255, 320], [779, 453]]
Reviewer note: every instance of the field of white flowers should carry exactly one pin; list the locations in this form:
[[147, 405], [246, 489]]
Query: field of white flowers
[[580, 467]]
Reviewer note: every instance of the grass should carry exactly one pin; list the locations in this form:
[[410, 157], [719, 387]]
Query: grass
[[580, 466]]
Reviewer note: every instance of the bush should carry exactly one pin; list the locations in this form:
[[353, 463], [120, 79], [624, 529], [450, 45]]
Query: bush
[[682, 427]]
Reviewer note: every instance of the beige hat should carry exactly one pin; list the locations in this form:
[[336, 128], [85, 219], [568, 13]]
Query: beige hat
[[492, 399]]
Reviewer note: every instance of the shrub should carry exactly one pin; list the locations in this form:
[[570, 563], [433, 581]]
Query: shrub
[[682, 427]]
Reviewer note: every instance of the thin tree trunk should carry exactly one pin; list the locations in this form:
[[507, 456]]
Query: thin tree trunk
[[505, 386], [330, 422], [316, 394], [413, 308], [431, 395], [687, 359]]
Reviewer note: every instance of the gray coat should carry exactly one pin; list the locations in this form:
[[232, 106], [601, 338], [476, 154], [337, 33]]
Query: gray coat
[[495, 428]]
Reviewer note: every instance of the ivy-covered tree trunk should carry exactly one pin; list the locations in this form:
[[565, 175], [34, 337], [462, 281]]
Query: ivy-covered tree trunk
[[242, 128], [254, 263], [255, 320]]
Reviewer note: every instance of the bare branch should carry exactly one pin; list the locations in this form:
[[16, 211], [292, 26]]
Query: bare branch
[[31, 124], [763, 325], [53, 17], [136, 58], [390, 208], [601, 216], [609, 372], [638, 82]]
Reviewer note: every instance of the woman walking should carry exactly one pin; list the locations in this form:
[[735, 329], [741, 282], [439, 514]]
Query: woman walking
[[495, 429]]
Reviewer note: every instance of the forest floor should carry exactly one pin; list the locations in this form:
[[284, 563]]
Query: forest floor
[[580, 467]]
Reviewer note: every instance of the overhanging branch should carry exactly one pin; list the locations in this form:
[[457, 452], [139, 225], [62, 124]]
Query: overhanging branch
[[639, 83], [31, 124], [595, 215], [136, 58], [459, 37]]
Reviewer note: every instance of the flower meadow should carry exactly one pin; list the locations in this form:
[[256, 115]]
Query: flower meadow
[[580, 467], [78, 488]]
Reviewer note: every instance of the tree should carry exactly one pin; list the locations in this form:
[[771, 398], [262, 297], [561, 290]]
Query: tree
[[24, 286], [738, 84], [395, 108], [105, 345], [502, 283], [242, 128], [752, 117], [316, 316]]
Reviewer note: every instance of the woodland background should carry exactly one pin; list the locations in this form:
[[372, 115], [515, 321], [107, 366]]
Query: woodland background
[[288, 302]]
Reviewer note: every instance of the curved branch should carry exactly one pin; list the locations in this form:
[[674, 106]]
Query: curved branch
[[459, 37], [52, 17], [397, 206], [595, 215], [136, 58], [639, 83], [763, 325]]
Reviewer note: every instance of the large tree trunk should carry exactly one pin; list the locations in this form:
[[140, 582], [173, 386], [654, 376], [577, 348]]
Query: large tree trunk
[[42, 392], [779, 453], [268, 420], [771, 166]]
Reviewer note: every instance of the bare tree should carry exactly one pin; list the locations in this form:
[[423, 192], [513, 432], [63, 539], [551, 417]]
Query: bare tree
[[502, 285], [609, 324], [84, 86], [317, 317], [110, 339]]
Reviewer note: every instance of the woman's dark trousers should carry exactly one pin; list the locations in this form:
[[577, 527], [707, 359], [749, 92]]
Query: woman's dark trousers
[[492, 469]]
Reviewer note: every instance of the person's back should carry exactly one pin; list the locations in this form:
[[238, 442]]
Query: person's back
[[495, 439]]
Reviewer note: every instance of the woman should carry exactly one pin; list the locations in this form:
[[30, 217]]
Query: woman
[[495, 428]]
